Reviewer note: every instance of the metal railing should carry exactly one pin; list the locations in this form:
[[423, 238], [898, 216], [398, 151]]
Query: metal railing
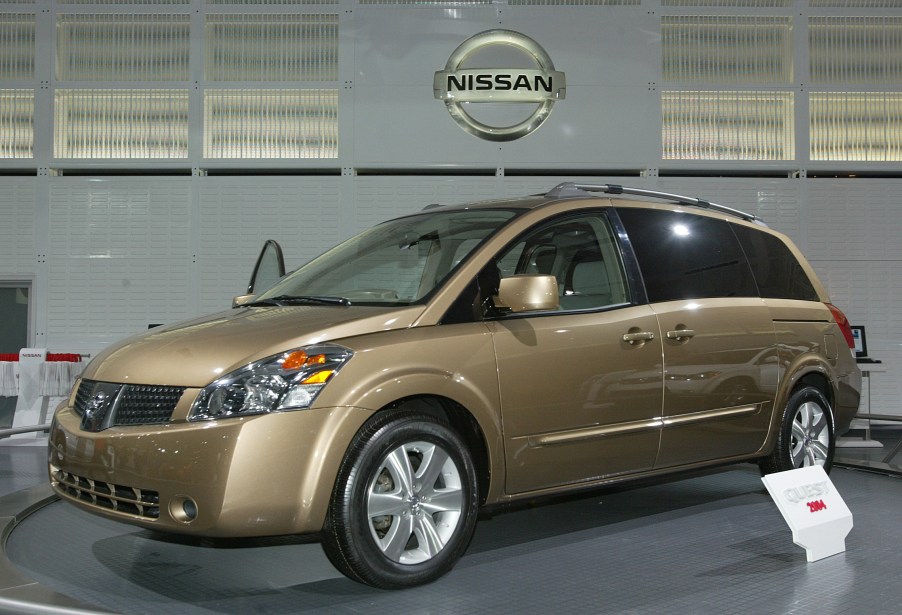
[[20, 430]]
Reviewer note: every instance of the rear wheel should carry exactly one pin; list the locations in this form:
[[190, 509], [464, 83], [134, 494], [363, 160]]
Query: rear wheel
[[405, 502], [806, 435]]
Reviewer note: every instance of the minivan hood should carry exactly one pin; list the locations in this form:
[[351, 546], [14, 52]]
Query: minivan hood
[[196, 352]]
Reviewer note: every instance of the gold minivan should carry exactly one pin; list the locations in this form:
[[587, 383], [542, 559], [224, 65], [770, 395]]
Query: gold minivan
[[462, 358]]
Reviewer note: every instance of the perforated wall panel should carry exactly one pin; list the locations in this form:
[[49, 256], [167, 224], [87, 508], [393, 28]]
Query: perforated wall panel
[[518, 186], [236, 215], [778, 202], [380, 198], [854, 246], [119, 258], [17, 225]]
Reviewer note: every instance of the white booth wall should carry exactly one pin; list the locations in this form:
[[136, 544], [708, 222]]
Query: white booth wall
[[113, 244]]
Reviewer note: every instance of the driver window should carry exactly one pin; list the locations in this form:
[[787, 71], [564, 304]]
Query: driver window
[[581, 253]]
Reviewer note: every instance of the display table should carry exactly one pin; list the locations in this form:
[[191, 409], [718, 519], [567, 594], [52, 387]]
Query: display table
[[863, 422]]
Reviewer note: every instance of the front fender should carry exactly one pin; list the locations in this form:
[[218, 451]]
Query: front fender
[[450, 362]]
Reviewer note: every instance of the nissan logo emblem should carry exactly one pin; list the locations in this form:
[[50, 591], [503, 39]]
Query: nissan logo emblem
[[458, 87]]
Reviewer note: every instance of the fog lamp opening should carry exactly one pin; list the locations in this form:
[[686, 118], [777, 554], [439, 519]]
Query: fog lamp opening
[[183, 509]]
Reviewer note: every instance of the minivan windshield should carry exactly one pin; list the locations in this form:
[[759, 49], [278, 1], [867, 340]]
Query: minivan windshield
[[397, 263]]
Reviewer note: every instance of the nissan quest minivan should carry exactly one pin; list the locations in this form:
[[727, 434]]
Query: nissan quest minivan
[[461, 358]]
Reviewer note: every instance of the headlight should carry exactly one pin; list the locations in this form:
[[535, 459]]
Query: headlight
[[287, 381]]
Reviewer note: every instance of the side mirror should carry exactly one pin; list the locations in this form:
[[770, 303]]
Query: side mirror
[[241, 300], [529, 293]]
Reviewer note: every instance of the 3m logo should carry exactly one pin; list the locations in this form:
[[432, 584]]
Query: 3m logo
[[816, 506]]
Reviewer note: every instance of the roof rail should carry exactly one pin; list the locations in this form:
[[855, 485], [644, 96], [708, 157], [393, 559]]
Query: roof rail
[[572, 189]]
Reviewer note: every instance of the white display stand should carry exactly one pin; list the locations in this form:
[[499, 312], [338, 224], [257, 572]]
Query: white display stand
[[813, 509], [30, 403]]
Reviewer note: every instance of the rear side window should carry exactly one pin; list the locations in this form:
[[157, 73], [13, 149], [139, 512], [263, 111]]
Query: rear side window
[[684, 256], [778, 273]]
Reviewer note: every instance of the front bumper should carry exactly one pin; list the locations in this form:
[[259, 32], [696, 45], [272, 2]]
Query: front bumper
[[254, 476]]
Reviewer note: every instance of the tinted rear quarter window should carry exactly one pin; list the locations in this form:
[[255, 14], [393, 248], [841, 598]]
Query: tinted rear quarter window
[[777, 271], [685, 256]]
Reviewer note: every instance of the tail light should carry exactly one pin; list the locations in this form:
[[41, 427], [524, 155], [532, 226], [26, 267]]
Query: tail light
[[843, 323]]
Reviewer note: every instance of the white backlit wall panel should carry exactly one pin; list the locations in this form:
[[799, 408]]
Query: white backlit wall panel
[[115, 47], [17, 55], [727, 49], [286, 124], [850, 51], [273, 2], [276, 47], [856, 126], [855, 50], [17, 45], [127, 2], [728, 125], [102, 123], [16, 123]]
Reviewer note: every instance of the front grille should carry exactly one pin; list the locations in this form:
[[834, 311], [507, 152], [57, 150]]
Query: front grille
[[103, 404], [119, 498], [144, 405], [83, 396]]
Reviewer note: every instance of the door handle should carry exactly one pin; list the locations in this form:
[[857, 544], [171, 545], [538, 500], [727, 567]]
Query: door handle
[[637, 337], [680, 334]]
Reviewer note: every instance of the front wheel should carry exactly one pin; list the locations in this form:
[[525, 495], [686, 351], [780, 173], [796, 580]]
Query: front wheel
[[405, 502], [806, 435]]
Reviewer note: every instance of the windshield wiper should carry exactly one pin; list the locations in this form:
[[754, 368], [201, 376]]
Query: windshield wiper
[[281, 300]]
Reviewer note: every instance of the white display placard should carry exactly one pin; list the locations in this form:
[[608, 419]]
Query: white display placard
[[30, 402], [811, 505]]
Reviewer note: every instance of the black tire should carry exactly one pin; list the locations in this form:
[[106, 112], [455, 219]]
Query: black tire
[[806, 433], [389, 550]]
